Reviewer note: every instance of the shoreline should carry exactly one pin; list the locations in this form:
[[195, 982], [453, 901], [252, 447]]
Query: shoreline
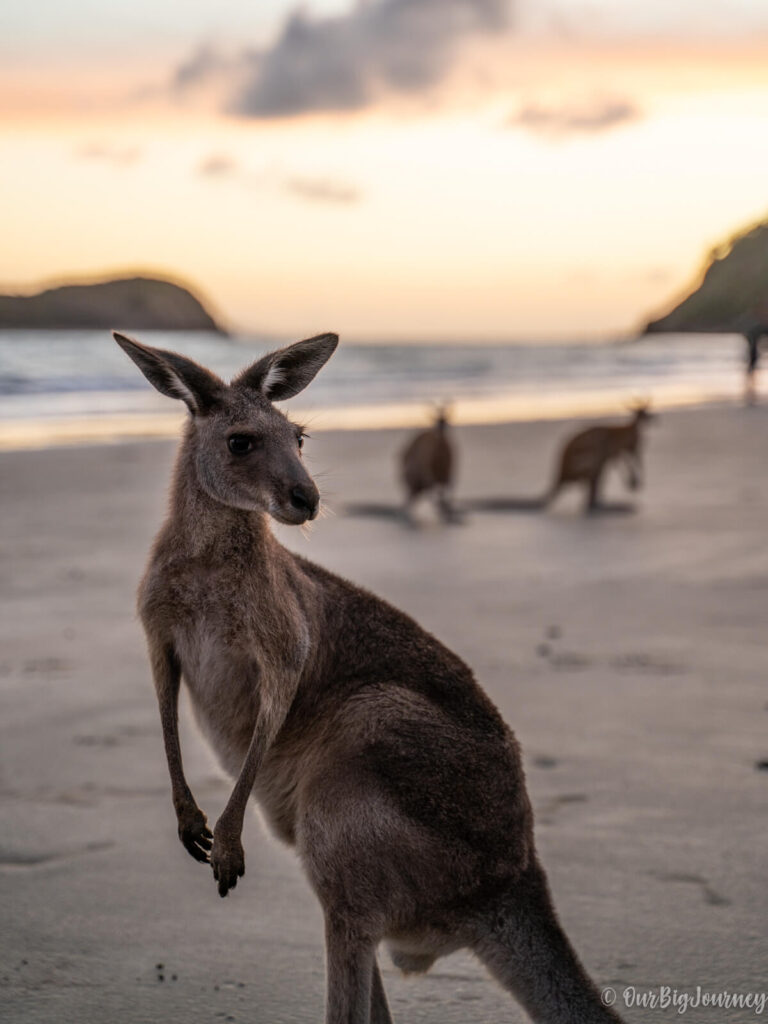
[[79, 430]]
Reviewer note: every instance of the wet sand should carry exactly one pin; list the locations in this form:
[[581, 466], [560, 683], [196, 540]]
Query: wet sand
[[627, 651]]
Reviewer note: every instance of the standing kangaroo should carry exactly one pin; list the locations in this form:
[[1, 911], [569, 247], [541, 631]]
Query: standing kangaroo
[[427, 464], [368, 745], [587, 454]]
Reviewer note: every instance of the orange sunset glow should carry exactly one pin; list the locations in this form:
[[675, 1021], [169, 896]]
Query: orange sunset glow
[[534, 179]]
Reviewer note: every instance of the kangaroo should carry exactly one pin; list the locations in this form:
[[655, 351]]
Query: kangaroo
[[369, 745], [427, 464], [587, 454]]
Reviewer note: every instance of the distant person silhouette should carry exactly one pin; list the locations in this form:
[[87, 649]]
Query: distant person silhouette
[[427, 465], [753, 335]]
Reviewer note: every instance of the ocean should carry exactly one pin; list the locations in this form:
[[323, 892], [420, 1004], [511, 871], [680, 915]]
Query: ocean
[[76, 386]]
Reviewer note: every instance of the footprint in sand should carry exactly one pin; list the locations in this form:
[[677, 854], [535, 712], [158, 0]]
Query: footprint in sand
[[95, 741], [114, 739], [711, 897], [544, 761], [550, 807], [28, 859], [647, 664], [46, 665], [570, 661]]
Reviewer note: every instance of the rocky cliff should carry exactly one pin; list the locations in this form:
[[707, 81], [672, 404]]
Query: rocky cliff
[[732, 292], [136, 303]]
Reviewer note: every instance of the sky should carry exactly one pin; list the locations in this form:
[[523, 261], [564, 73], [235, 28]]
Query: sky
[[467, 170]]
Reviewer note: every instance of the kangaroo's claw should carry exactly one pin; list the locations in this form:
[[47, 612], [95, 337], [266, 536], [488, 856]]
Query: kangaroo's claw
[[195, 834]]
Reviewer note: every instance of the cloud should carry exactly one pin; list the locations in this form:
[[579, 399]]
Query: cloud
[[217, 165], [599, 115], [200, 65], [343, 62], [323, 190], [326, 189], [121, 156]]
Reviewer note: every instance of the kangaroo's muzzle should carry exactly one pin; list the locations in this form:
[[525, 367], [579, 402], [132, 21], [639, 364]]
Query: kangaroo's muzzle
[[305, 500]]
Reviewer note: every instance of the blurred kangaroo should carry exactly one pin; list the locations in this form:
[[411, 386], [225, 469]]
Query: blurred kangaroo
[[588, 453], [427, 464], [369, 746]]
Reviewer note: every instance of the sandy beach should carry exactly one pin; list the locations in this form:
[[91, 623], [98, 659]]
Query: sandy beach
[[626, 651]]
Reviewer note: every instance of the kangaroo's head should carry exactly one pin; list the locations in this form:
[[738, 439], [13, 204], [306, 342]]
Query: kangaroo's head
[[641, 413], [245, 452], [442, 416]]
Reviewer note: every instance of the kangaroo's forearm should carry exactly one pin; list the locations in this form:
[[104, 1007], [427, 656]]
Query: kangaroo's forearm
[[193, 826], [167, 677], [268, 723], [227, 857]]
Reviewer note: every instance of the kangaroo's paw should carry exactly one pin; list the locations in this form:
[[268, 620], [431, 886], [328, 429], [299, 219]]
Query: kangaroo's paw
[[227, 860], [194, 832]]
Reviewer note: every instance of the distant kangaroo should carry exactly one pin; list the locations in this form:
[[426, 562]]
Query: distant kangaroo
[[427, 464], [368, 745], [587, 454]]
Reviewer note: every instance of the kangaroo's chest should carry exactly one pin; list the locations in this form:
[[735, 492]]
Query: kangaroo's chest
[[238, 645], [223, 682]]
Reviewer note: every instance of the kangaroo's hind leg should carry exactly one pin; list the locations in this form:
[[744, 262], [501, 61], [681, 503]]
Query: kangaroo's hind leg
[[379, 1009], [350, 966], [411, 498], [445, 506], [593, 490]]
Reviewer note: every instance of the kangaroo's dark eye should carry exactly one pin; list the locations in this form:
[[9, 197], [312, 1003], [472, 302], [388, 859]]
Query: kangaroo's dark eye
[[300, 440], [240, 444]]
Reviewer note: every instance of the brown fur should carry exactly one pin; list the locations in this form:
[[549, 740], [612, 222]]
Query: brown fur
[[368, 744], [588, 453], [427, 465]]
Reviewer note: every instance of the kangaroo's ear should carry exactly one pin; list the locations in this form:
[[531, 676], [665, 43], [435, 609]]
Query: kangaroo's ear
[[285, 373], [175, 375]]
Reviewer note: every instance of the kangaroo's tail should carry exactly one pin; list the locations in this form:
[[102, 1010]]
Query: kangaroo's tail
[[523, 945]]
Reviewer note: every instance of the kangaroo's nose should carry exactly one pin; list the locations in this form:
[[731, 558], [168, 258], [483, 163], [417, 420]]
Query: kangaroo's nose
[[305, 499]]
